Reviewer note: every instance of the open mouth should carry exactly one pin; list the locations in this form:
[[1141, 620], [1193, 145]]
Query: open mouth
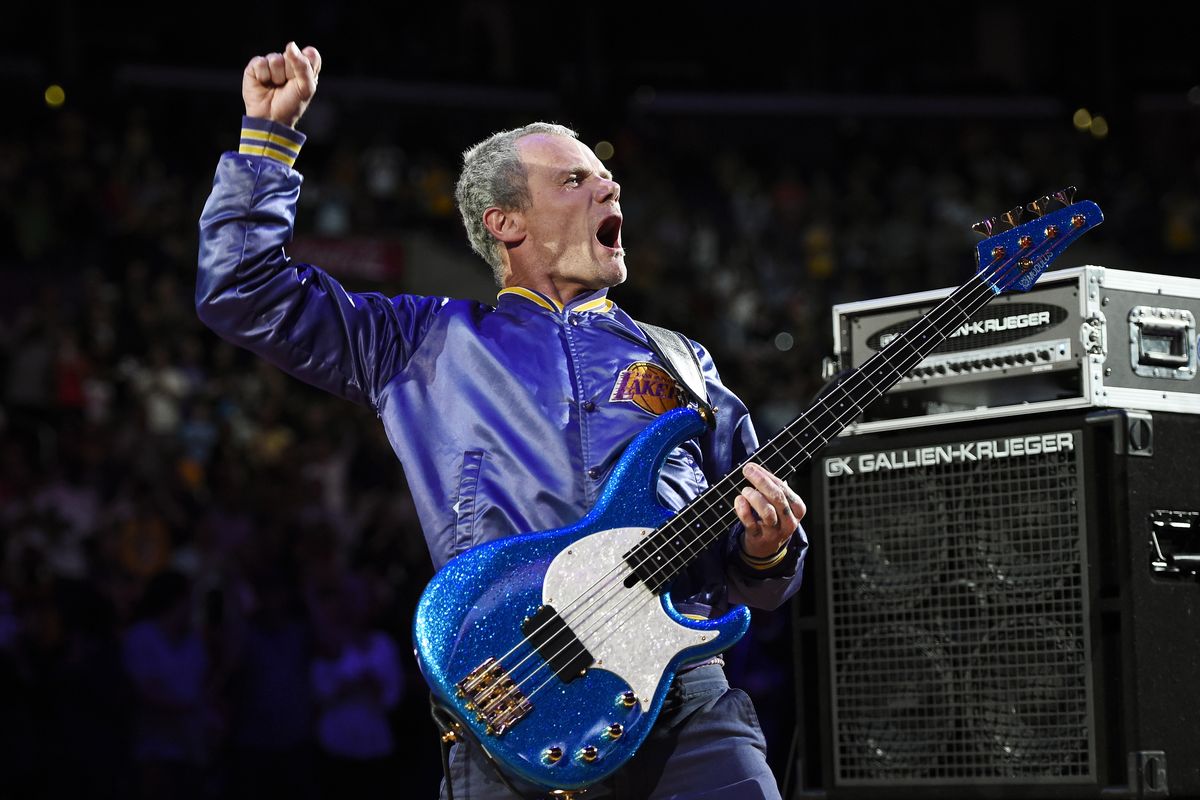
[[609, 232]]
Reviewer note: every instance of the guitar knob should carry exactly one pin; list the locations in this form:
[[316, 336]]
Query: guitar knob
[[627, 699], [589, 753], [552, 755], [614, 731]]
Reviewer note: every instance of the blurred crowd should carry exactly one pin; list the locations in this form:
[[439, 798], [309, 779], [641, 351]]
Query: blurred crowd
[[207, 569]]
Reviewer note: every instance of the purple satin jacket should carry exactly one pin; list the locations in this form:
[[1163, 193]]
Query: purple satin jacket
[[506, 419]]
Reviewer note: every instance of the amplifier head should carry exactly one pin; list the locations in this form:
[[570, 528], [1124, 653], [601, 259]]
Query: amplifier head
[[1080, 337]]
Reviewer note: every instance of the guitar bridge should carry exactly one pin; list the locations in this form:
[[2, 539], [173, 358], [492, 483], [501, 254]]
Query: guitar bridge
[[491, 694]]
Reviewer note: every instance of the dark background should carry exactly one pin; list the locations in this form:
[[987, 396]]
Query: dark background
[[774, 161]]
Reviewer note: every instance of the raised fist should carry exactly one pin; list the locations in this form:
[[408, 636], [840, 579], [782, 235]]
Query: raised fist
[[279, 86]]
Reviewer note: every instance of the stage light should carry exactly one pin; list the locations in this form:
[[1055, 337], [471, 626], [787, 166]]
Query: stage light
[[1099, 127], [784, 341], [1082, 120], [55, 96], [604, 150]]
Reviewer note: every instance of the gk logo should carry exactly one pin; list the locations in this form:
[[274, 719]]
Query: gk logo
[[838, 465]]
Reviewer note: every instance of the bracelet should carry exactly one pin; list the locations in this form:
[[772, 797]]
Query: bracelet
[[763, 563]]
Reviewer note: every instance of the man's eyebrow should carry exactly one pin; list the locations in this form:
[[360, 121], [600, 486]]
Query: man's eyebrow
[[583, 170]]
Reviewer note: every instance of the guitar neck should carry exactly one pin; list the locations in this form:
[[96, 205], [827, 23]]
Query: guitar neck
[[1010, 259], [671, 548]]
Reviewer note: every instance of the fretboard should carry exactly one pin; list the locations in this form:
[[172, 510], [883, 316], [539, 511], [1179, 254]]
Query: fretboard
[[667, 551]]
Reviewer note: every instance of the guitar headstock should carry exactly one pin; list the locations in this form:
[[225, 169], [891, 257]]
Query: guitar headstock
[[1016, 253]]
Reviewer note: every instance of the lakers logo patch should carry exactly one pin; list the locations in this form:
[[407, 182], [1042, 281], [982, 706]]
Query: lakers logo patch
[[649, 387]]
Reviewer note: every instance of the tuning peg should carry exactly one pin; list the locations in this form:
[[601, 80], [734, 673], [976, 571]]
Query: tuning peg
[[1012, 217], [1066, 196], [1040, 206], [984, 226]]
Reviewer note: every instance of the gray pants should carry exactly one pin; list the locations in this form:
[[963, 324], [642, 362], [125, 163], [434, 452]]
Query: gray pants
[[706, 744]]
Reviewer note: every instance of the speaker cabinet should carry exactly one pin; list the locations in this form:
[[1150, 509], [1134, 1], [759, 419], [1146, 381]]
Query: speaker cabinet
[[1004, 609]]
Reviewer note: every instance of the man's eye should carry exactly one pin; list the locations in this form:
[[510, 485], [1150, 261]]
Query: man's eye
[[574, 177]]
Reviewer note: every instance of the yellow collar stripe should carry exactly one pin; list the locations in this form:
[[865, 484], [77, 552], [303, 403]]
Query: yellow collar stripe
[[521, 291], [601, 304]]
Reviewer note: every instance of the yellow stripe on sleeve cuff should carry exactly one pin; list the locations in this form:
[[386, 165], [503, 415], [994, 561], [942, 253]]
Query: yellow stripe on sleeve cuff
[[261, 137]]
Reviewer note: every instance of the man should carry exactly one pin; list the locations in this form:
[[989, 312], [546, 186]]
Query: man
[[508, 418]]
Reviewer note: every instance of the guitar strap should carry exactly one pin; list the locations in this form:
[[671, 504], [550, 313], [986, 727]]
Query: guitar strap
[[675, 351]]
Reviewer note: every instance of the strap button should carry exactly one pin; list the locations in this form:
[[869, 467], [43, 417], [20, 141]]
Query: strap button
[[588, 405], [593, 473]]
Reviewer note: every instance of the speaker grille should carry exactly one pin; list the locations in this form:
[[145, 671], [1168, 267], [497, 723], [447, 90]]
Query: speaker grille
[[958, 614]]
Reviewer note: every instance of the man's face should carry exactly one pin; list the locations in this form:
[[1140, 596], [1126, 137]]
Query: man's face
[[573, 224]]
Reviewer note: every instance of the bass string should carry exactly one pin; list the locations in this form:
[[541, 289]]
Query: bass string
[[913, 358], [951, 307], [616, 572]]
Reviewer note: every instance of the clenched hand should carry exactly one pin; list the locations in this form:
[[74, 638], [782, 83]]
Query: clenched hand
[[279, 86]]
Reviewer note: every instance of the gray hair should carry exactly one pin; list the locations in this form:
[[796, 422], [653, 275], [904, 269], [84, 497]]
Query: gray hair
[[493, 175]]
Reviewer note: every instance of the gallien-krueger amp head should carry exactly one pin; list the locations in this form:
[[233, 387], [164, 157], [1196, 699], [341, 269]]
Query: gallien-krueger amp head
[[1085, 336]]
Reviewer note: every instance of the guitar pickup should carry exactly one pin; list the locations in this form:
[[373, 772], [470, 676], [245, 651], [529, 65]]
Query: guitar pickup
[[557, 644], [491, 694]]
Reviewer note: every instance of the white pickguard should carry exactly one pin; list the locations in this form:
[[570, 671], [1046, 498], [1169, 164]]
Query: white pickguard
[[626, 630]]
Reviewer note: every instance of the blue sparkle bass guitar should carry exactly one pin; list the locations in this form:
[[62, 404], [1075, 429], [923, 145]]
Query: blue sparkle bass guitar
[[554, 650]]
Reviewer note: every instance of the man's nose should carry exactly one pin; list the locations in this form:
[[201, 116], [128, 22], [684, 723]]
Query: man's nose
[[608, 190]]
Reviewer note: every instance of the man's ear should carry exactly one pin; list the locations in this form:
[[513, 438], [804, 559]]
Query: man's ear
[[507, 226]]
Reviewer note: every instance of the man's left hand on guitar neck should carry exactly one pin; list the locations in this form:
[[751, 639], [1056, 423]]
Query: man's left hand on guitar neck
[[769, 509]]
